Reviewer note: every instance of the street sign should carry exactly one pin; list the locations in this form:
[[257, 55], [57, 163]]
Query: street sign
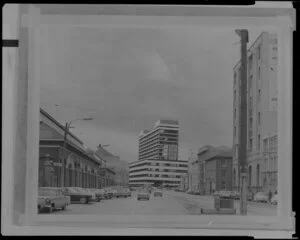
[[57, 164]]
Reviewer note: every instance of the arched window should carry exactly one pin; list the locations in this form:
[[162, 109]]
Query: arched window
[[257, 175], [234, 177]]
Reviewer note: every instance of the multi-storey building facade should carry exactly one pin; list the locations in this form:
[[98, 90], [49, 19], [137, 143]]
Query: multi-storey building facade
[[212, 169], [269, 170], [161, 142], [120, 167], [193, 172], [158, 156], [184, 182], [164, 172], [218, 171], [261, 106]]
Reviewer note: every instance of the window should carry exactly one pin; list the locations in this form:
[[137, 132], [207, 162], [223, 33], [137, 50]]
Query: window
[[258, 119], [258, 75], [234, 96], [250, 144], [258, 142], [258, 52], [234, 178], [250, 62], [249, 176], [257, 175], [259, 91], [250, 82], [234, 79]]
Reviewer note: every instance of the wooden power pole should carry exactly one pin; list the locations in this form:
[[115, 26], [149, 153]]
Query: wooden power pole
[[243, 33]]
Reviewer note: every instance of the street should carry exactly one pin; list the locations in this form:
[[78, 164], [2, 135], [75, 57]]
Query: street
[[171, 203]]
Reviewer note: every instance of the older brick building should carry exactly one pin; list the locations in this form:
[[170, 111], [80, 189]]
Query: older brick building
[[212, 170], [80, 168]]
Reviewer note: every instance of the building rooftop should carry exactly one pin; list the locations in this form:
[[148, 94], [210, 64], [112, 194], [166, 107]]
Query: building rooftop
[[250, 49], [172, 122], [46, 114]]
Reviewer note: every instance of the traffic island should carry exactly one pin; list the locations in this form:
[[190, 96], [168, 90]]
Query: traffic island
[[226, 211], [222, 206]]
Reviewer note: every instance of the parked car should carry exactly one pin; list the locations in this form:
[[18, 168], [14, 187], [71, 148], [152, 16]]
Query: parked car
[[75, 195], [197, 193], [216, 193], [261, 197], [157, 193], [95, 196], [101, 193], [274, 199], [250, 196], [121, 193], [235, 195], [51, 198], [224, 194], [108, 193], [128, 192], [189, 192], [143, 195]]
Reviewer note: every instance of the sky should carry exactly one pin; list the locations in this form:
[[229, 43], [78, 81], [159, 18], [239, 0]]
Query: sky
[[128, 78]]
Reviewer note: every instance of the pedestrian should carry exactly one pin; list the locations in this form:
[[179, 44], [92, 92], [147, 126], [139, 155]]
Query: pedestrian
[[270, 196]]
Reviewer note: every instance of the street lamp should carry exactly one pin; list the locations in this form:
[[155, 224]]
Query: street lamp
[[67, 127]]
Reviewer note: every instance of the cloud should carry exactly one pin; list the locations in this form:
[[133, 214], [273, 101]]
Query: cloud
[[129, 78]]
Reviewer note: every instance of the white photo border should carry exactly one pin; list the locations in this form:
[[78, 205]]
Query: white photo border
[[32, 17]]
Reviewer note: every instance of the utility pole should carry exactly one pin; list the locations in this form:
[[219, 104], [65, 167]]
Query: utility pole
[[63, 161], [243, 33]]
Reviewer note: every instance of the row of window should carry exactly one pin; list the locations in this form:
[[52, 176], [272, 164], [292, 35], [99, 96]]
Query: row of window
[[154, 175], [158, 170]]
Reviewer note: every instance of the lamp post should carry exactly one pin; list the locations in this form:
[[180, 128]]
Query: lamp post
[[64, 155]]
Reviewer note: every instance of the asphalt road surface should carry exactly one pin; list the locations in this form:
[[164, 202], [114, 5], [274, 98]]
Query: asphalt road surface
[[176, 203]]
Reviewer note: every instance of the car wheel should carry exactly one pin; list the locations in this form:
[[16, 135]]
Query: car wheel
[[83, 200], [64, 207]]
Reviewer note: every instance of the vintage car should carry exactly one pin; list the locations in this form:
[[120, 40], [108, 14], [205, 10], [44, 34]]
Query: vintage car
[[157, 193], [108, 194], [274, 199], [92, 193], [143, 195], [98, 193], [261, 197], [76, 195], [51, 198], [128, 192], [121, 193]]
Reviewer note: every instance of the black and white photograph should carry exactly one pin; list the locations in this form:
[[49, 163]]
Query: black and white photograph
[[157, 118]]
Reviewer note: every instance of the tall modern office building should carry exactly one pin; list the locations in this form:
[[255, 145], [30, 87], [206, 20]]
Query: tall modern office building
[[158, 156], [161, 142], [261, 111]]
